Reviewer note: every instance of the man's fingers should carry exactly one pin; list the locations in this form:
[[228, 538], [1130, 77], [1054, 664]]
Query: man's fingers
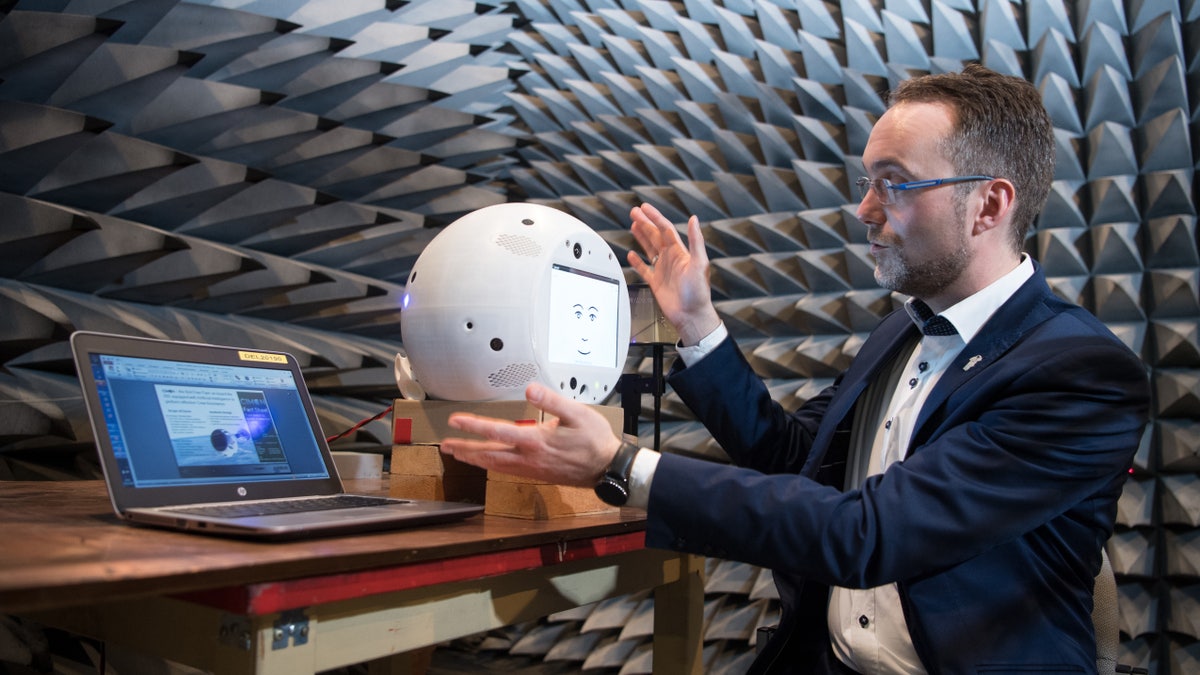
[[473, 424], [643, 232], [655, 216], [638, 265], [652, 230], [490, 455], [549, 401], [472, 446], [499, 431], [696, 240]]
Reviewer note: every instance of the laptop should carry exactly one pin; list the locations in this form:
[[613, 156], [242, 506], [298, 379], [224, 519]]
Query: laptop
[[223, 440]]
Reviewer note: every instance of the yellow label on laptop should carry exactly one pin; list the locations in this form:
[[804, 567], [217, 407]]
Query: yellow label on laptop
[[262, 356]]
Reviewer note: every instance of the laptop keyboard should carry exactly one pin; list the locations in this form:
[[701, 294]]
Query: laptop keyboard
[[274, 508]]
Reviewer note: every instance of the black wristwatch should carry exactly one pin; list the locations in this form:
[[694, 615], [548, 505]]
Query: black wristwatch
[[613, 487]]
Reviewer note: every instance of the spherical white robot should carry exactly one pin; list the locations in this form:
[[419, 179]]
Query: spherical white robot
[[511, 294]]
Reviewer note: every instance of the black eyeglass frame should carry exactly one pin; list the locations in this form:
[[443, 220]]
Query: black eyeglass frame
[[887, 196]]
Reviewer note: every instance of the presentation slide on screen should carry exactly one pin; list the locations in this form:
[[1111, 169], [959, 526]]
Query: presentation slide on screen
[[210, 426]]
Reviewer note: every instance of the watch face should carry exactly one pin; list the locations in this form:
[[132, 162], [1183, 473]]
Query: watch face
[[610, 492]]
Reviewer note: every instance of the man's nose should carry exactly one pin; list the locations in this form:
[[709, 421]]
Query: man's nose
[[869, 209]]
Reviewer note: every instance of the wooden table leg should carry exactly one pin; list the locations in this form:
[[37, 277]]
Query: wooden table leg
[[679, 620]]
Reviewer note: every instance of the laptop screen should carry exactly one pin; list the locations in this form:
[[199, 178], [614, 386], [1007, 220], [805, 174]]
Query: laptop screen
[[182, 423]]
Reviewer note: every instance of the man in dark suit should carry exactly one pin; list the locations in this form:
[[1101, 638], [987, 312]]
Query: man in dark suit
[[942, 506]]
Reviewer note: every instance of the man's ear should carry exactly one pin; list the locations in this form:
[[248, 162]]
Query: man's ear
[[999, 200]]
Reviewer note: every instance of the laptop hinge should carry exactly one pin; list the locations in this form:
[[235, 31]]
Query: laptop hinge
[[291, 626]]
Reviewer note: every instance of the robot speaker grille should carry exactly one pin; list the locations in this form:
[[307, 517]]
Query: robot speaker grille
[[518, 245], [513, 375]]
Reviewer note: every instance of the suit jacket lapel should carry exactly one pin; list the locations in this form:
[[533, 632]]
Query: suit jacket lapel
[[877, 351], [1019, 314]]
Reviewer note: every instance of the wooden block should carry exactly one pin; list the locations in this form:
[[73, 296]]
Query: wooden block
[[427, 460], [427, 422], [416, 487], [451, 488], [419, 469], [510, 478], [540, 501]]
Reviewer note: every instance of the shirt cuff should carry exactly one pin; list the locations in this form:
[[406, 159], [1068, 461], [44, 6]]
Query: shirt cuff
[[703, 348], [641, 474]]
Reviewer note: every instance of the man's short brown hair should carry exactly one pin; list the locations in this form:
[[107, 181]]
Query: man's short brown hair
[[1001, 129]]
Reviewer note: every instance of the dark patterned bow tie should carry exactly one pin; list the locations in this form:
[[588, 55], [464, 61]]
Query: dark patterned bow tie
[[932, 324]]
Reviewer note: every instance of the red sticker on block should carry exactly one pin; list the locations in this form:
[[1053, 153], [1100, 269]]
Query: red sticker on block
[[525, 423], [402, 431]]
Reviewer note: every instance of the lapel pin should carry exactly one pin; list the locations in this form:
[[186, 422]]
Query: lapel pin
[[972, 361]]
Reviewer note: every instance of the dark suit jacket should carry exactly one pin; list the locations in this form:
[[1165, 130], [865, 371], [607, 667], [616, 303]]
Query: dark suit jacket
[[992, 526]]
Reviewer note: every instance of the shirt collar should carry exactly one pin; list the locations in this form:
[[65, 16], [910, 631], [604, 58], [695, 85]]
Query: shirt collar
[[969, 315]]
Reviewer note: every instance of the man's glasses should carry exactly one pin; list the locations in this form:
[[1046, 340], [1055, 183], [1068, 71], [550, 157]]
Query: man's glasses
[[885, 190]]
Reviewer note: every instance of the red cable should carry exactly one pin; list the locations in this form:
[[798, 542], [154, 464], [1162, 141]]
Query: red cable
[[360, 425]]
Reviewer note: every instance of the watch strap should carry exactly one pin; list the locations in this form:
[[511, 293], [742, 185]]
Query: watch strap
[[613, 486]]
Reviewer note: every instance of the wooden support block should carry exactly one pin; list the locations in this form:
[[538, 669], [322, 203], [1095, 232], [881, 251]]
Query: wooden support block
[[540, 501], [427, 460], [416, 487], [451, 488], [423, 472], [420, 471]]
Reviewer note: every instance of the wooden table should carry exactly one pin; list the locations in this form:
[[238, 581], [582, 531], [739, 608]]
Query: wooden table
[[231, 606]]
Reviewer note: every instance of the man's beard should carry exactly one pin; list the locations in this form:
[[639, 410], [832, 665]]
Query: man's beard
[[922, 280]]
